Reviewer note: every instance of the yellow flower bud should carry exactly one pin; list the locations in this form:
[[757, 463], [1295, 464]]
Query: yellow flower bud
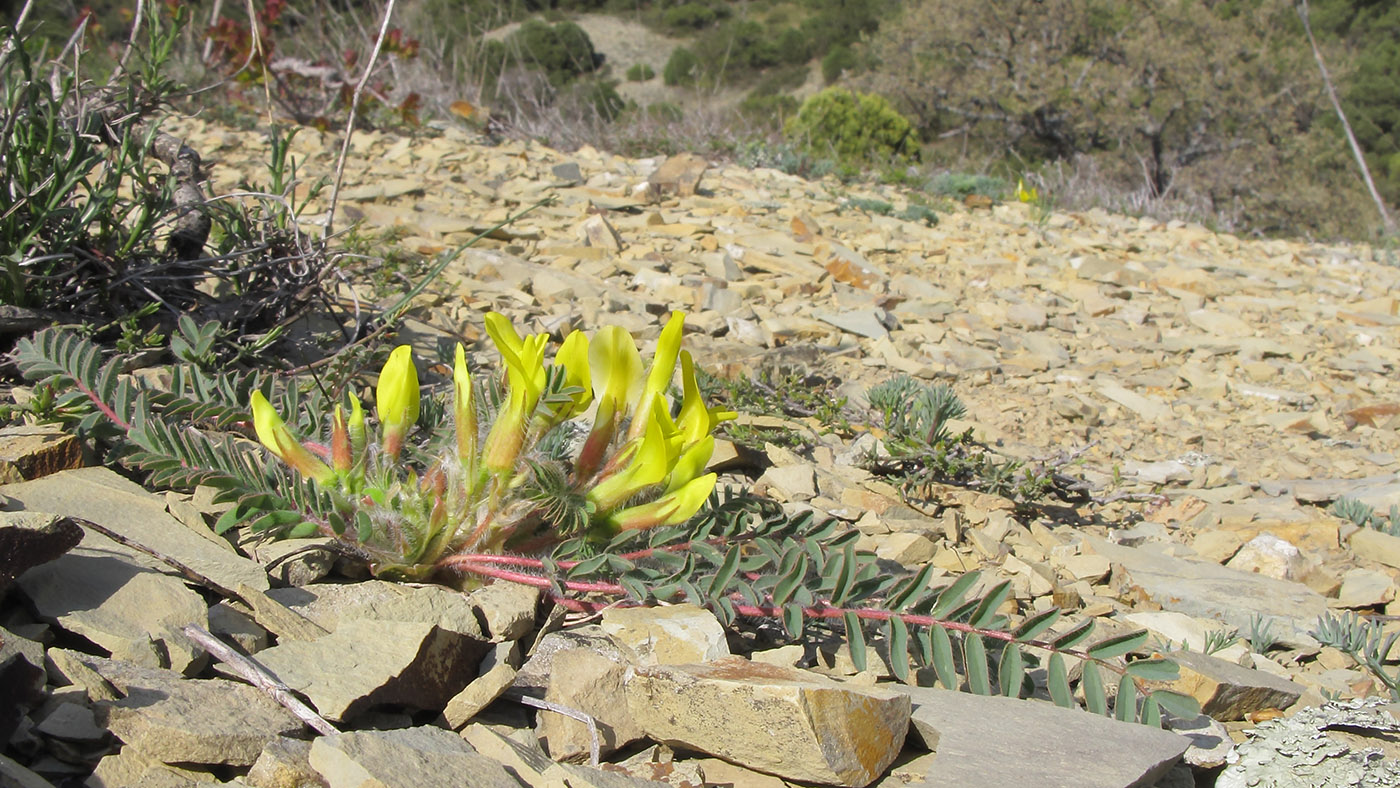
[[396, 398], [273, 434]]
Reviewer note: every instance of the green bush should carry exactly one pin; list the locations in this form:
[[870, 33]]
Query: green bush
[[664, 112], [764, 106], [691, 16], [855, 128], [738, 47], [682, 68], [793, 46], [640, 72], [563, 51], [839, 59]]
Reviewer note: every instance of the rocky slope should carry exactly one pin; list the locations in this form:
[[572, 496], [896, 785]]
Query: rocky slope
[[1216, 393]]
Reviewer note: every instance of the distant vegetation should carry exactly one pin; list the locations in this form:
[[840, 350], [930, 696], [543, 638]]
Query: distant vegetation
[[1208, 110]]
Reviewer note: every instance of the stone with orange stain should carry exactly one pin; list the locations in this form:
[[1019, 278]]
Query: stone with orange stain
[[813, 729]]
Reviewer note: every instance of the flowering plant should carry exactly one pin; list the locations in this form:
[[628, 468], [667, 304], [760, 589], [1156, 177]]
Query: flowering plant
[[588, 444]]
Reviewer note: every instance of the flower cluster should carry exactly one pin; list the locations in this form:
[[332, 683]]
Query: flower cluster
[[640, 462]]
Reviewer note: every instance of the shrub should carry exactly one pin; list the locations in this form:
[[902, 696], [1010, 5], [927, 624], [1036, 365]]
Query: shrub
[[689, 16], [793, 46], [664, 112], [839, 59], [958, 185], [563, 51], [765, 107], [640, 72], [855, 128], [682, 68]]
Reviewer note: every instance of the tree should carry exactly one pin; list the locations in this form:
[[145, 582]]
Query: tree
[[1164, 89]]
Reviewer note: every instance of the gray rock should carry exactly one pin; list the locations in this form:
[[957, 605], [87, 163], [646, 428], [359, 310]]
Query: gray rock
[[1211, 744], [868, 323], [170, 719], [366, 663], [424, 757], [999, 741], [100, 495], [12, 775], [328, 604], [133, 612], [28, 539], [1227, 691], [283, 763], [1309, 750], [1209, 590], [589, 682], [131, 768]]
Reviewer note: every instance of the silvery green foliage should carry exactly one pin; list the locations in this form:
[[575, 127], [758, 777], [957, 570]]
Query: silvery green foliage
[[1365, 641], [1296, 751]]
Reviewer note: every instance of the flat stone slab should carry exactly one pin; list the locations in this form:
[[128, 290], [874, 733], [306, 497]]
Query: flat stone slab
[[425, 757], [994, 742], [792, 723], [132, 611], [175, 720], [1208, 590], [364, 663], [104, 497]]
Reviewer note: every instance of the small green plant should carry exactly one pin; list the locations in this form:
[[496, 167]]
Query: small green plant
[[1365, 516], [923, 449], [1365, 641], [640, 72], [1218, 640], [855, 128], [784, 393], [960, 185], [1262, 639]]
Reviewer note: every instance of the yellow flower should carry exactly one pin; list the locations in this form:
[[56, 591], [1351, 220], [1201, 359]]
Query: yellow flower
[[617, 378], [1026, 195], [648, 463], [673, 508], [663, 366], [396, 398], [573, 357], [273, 434], [695, 420], [464, 411]]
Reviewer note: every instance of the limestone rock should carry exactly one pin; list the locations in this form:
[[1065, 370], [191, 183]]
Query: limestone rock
[[589, 682], [679, 175], [134, 612], [425, 757], [999, 741], [815, 729], [100, 495], [1271, 556], [30, 452], [283, 762], [366, 663], [670, 635], [1376, 546], [1227, 691], [327, 605], [211, 721], [1213, 591]]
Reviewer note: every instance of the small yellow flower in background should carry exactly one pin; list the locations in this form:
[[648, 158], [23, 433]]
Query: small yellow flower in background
[[273, 434], [396, 398], [1031, 195]]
